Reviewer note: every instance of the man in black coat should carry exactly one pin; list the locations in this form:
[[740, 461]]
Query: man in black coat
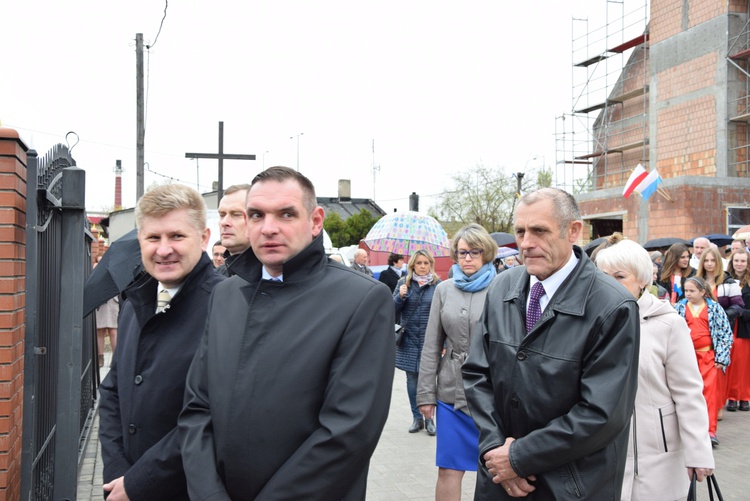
[[160, 326], [290, 388], [390, 275], [553, 366], [233, 226]]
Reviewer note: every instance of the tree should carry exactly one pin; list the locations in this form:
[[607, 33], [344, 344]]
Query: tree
[[336, 229], [351, 231], [358, 225], [481, 195]]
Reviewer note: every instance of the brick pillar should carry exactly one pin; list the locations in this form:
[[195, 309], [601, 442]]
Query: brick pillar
[[12, 304]]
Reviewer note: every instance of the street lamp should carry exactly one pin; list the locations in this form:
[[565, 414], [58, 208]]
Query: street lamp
[[292, 137]]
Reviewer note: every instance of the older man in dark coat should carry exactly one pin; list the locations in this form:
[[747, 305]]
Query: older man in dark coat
[[141, 396], [290, 389], [552, 370]]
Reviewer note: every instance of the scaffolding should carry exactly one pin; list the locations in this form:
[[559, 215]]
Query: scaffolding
[[605, 134], [738, 97]]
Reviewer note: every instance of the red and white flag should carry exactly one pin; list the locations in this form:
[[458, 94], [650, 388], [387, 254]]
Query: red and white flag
[[636, 178]]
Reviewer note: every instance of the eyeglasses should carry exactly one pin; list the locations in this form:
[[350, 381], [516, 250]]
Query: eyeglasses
[[474, 253]]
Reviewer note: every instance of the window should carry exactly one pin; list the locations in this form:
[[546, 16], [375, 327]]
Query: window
[[737, 217]]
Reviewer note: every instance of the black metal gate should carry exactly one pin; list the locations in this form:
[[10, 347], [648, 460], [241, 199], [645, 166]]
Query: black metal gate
[[60, 372]]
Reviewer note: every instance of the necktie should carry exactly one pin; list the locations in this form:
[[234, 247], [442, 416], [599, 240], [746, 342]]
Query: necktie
[[162, 300], [535, 309]]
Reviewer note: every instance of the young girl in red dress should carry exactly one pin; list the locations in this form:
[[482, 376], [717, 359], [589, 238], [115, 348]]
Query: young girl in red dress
[[712, 338]]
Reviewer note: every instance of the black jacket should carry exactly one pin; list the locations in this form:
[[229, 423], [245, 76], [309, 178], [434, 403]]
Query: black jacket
[[667, 284], [142, 395], [743, 326], [389, 278], [565, 391], [290, 388]]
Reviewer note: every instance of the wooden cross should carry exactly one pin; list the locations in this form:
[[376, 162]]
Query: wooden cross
[[221, 156]]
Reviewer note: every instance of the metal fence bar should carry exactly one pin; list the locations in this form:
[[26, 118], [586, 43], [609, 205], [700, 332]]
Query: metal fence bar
[[70, 334], [30, 365]]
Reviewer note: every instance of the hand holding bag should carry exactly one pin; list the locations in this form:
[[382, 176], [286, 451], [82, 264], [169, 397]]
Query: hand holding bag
[[401, 329], [712, 484]]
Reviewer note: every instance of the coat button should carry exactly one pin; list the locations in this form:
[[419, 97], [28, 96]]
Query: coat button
[[521, 355], [131, 429], [138, 379], [514, 402]]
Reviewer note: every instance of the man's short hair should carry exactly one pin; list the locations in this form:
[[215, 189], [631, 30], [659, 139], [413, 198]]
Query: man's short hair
[[235, 188], [280, 174], [565, 207], [162, 200], [702, 240], [218, 242], [360, 252]]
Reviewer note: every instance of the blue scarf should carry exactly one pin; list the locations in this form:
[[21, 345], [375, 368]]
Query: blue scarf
[[477, 281]]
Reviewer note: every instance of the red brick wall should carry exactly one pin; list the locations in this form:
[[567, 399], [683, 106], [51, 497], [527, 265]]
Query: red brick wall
[[695, 210], [12, 304]]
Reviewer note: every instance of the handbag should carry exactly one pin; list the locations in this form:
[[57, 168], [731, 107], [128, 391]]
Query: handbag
[[400, 333], [712, 484]]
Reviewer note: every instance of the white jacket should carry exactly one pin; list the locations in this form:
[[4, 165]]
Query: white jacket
[[670, 423]]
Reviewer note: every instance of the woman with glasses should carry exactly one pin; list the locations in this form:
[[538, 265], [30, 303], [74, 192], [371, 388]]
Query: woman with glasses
[[412, 298], [675, 270], [456, 308]]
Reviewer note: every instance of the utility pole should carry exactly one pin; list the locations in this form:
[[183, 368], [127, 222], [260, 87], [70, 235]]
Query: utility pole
[[140, 117]]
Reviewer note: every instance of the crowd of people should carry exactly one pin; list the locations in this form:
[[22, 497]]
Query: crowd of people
[[552, 374]]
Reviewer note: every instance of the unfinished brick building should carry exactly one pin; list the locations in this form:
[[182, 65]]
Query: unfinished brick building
[[666, 86]]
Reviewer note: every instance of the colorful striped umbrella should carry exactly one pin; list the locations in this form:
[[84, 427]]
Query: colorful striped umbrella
[[406, 232]]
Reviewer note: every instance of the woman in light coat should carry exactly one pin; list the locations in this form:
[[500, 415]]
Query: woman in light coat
[[668, 435], [456, 308]]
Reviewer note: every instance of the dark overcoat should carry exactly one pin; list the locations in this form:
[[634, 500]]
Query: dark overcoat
[[290, 388], [565, 390], [389, 278], [141, 396]]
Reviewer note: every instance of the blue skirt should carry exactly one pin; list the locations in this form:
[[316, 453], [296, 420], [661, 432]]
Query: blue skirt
[[457, 445]]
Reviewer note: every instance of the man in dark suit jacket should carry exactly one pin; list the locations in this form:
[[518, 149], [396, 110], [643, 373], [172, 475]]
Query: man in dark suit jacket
[[390, 275], [289, 391], [141, 396]]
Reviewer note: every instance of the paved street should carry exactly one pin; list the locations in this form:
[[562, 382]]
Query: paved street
[[403, 468]]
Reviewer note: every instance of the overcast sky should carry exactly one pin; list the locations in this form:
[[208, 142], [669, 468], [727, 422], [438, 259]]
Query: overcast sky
[[438, 86]]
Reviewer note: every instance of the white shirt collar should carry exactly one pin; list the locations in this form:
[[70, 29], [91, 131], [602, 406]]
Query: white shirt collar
[[172, 291], [554, 281], [267, 276]]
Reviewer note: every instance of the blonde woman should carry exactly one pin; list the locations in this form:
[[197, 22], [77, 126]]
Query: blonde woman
[[412, 299], [456, 308]]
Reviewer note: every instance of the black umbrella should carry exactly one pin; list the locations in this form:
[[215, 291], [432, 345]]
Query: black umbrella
[[504, 239], [720, 239], [659, 243], [589, 248], [117, 269]]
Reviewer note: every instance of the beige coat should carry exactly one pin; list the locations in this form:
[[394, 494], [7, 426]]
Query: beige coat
[[452, 316], [670, 422]]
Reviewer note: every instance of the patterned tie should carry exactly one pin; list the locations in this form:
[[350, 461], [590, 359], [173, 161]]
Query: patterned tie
[[162, 300], [535, 309]]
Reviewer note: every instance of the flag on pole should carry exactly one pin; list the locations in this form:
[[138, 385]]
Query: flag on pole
[[649, 185], [635, 179]]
